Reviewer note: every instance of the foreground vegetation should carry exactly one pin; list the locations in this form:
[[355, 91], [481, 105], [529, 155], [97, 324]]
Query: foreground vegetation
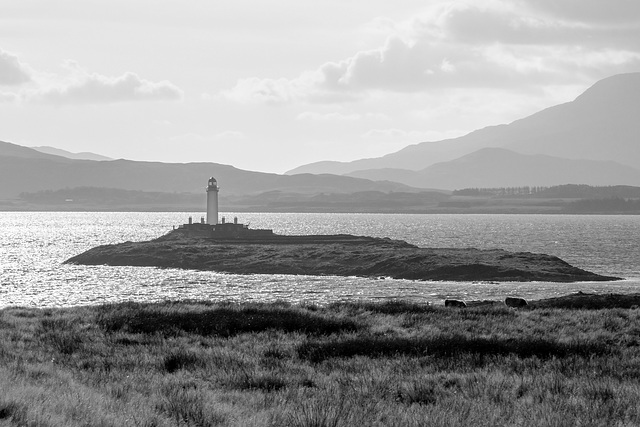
[[369, 364]]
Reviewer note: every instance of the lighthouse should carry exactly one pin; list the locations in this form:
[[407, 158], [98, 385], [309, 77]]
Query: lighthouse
[[212, 229], [212, 201]]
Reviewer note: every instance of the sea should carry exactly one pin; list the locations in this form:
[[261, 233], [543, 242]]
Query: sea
[[34, 246]]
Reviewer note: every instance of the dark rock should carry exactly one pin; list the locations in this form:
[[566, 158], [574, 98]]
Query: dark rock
[[454, 303], [339, 255], [515, 302]]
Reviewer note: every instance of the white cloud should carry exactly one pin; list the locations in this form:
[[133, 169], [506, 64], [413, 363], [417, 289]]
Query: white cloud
[[268, 91], [530, 26], [490, 44], [93, 88], [8, 97], [12, 71], [422, 65], [590, 11]]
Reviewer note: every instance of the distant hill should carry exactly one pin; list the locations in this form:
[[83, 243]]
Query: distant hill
[[404, 176], [532, 200], [69, 155], [24, 169], [600, 124], [99, 198], [15, 150], [499, 167], [412, 157]]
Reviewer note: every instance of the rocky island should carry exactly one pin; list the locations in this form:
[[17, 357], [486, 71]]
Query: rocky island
[[232, 247], [340, 255]]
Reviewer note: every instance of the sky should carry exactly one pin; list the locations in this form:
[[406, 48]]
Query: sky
[[269, 86]]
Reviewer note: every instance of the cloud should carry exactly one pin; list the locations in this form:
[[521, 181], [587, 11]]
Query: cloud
[[268, 91], [589, 11], [398, 66], [8, 97], [478, 26], [86, 88], [499, 44], [12, 71], [406, 66]]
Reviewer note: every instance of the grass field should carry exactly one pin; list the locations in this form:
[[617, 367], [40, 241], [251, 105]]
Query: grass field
[[349, 364]]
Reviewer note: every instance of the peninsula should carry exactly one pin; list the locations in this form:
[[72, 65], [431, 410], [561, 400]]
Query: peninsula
[[232, 247]]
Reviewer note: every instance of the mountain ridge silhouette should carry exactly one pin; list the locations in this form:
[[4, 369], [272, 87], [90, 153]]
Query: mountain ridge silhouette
[[599, 125]]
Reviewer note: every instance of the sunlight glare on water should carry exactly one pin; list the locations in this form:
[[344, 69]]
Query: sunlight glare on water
[[35, 245]]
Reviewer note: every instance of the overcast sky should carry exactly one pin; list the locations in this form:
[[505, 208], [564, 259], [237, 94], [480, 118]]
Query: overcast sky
[[270, 85]]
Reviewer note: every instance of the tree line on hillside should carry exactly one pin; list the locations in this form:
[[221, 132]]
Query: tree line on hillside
[[498, 191], [568, 191]]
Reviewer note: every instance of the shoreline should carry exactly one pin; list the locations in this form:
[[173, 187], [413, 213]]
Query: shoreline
[[240, 209]]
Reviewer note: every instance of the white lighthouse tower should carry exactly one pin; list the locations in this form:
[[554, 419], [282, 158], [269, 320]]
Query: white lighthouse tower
[[212, 201]]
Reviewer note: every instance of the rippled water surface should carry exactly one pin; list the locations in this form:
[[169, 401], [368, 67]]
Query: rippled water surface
[[34, 245]]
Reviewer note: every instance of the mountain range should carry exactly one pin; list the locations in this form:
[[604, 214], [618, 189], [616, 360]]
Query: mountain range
[[594, 139], [85, 155], [499, 167], [24, 169]]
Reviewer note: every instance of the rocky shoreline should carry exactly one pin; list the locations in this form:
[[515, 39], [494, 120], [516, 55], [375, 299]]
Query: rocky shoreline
[[338, 255]]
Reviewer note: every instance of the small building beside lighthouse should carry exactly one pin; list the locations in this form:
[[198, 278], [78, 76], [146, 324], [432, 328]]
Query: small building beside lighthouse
[[212, 201], [212, 228]]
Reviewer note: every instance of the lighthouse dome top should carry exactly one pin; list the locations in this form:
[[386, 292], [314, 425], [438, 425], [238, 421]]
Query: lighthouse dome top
[[212, 185]]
